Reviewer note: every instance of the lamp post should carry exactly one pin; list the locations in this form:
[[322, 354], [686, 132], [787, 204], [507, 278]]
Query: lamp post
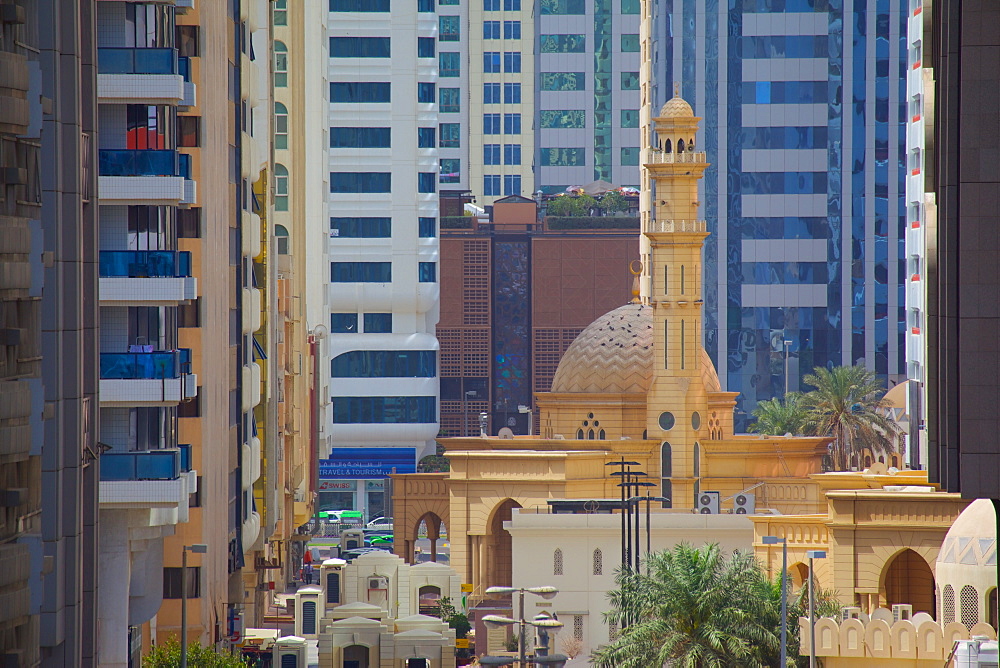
[[813, 554], [621, 473], [786, 343], [774, 540], [200, 548], [499, 620]]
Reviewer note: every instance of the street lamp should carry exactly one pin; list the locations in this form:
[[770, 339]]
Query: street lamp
[[200, 548], [621, 473], [813, 554], [774, 540], [495, 621], [786, 343], [531, 416]]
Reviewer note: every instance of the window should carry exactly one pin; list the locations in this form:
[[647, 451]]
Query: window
[[361, 227], [491, 5], [189, 223], [512, 154], [578, 627], [491, 185], [360, 272], [425, 138], [344, 323], [280, 65], [359, 5], [491, 154], [281, 239], [442, 3], [512, 30], [280, 12], [360, 182], [450, 135], [491, 30], [280, 187], [359, 47], [189, 315], [426, 226], [380, 410], [598, 562], [563, 7], [563, 157], [557, 562], [189, 131], [563, 43], [512, 93], [630, 81], [512, 61], [630, 118], [425, 47], [427, 272], [512, 124], [425, 182], [187, 41], [423, 5], [360, 91], [377, 323], [630, 6], [630, 156], [512, 5], [449, 101], [449, 29], [172, 582], [491, 93], [451, 170], [630, 43], [425, 93], [555, 81], [449, 64], [384, 364], [563, 118], [511, 184], [491, 62], [280, 126], [491, 124], [360, 137]]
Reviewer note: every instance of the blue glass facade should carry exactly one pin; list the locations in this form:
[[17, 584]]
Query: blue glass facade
[[821, 95]]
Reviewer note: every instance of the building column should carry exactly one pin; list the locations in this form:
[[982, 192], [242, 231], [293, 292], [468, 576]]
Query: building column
[[114, 572]]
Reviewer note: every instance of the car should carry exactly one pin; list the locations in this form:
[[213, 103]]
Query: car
[[350, 555], [381, 540], [380, 523]]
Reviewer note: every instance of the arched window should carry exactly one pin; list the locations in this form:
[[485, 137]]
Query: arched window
[[280, 126], [666, 491], [680, 145], [590, 434], [600, 435], [696, 464], [666, 460], [280, 65], [579, 434], [690, 144], [969, 599], [280, 187], [557, 562], [281, 239], [598, 562], [991, 607], [948, 604], [667, 148]]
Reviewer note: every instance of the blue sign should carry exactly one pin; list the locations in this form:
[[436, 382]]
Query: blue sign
[[367, 463]]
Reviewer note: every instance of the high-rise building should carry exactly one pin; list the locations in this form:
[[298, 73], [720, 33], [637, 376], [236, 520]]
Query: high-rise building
[[804, 104], [383, 208], [451, 48]]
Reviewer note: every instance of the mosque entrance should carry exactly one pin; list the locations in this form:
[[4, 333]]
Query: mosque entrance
[[498, 544], [908, 579]]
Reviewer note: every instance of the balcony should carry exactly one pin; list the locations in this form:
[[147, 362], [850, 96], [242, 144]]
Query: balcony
[[153, 378], [142, 465], [143, 176], [139, 76], [148, 478], [190, 98], [146, 278]]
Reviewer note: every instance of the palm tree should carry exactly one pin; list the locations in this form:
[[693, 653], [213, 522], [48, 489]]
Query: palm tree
[[775, 417], [693, 609], [848, 405], [827, 605]]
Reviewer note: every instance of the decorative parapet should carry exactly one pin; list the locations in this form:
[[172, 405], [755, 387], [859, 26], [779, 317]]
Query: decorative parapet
[[654, 226], [887, 634], [689, 157]]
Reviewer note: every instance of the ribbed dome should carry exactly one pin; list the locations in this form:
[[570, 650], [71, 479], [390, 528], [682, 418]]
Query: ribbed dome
[[972, 538], [676, 107]]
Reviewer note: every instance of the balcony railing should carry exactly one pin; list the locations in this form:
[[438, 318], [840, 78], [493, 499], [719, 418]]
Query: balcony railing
[[141, 465], [139, 162], [184, 68], [128, 60], [662, 157], [145, 264], [156, 365], [185, 457]]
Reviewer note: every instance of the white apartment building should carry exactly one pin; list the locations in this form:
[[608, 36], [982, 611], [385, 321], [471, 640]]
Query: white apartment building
[[383, 209]]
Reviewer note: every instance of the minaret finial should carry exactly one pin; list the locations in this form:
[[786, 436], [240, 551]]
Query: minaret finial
[[677, 89]]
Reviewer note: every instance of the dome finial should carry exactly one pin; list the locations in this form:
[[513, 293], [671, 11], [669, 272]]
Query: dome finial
[[677, 89]]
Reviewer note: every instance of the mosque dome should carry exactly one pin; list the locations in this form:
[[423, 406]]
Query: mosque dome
[[614, 355], [676, 107], [966, 565]]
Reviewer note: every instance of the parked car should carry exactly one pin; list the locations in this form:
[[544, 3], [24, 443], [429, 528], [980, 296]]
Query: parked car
[[380, 523]]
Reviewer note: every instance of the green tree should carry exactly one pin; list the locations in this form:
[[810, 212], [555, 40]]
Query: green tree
[[694, 609], [848, 404], [565, 205], [613, 201], [168, 655], [435, 463], [827, 605], [777, 417]]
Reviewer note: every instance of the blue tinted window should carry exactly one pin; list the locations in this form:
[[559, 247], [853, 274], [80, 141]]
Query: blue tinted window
[[450, 170], [425, 182], [427, 227], [449, 29], [512, 30], [511, 184], [425, 47], [449, 64], [355, 227], [425, 5], [512, 154], [630, 43], [360, 182], [425, 93], [378, 323], [360, 272], [451, 135], [360, 91], [359, 5], [786, 92], [512, 61], [385, 364], [491, 30], [360, 137], [426, 137], [512, 93], [359, 47], [449, 100], [491, 154], [512, 5], [427, 272], [491, 93], [491, 61], [491, 124], [491, 185], [491, 5], [382, 410], [512, 124], [344, 323]]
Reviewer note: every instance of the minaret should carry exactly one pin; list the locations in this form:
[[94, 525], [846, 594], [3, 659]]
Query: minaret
[[677, 397]]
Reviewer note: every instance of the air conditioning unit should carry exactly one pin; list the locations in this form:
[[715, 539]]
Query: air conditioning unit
[[901, 612], [744, 504], [708, 503], [378, 582], [850, 613]]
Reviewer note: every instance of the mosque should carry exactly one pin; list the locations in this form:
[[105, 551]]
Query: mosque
[[637, 384]]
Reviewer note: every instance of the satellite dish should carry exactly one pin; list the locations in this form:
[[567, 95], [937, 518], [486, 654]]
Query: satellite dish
[[506, 432]]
